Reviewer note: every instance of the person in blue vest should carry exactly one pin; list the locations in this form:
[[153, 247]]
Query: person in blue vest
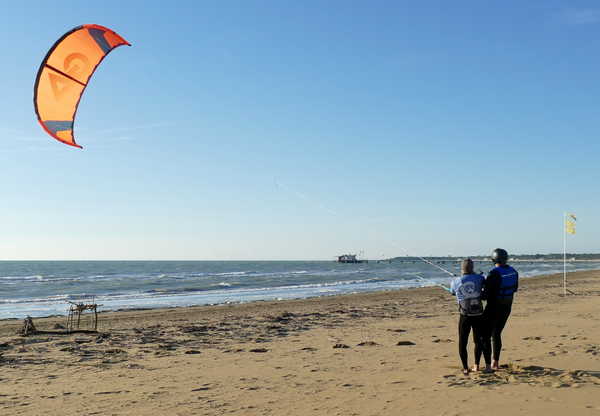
[[468, 290], [501, 284]]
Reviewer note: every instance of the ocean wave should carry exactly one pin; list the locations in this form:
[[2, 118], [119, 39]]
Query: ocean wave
[[220, 288], [38, 289], [233, 273], [34, 277]]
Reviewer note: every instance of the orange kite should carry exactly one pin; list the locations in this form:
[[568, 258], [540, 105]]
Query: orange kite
[[64, 74]]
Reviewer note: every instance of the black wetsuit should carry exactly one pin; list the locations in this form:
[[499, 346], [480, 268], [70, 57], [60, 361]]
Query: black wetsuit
[[498, 308], [477, 323]]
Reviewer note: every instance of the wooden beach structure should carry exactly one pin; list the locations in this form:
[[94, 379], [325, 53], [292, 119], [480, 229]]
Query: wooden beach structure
[[75, 311]]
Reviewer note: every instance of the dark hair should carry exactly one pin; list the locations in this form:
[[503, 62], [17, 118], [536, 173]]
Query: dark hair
[[466, 266]]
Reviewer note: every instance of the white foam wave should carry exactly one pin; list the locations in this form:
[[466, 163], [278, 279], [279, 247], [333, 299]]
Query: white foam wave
[[34, 277], [232, 274]]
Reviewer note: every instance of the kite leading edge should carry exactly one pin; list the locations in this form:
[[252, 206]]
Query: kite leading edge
[[64, 74]]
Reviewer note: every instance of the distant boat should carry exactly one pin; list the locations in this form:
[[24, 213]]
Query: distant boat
[[350, 258]]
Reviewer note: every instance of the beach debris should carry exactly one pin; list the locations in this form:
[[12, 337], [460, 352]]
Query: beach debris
[[259, 350], [201, 389], [367, 344], [341, 346], [166, 346], [309, 349], [28, 327], [58, 326], [284, 318], [193, 352], [401, 343], [113, 392]]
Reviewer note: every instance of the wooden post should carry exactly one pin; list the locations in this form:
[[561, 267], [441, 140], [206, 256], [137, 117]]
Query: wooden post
[[95, 318]]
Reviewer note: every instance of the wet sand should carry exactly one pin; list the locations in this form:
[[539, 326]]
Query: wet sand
[[386, 353]]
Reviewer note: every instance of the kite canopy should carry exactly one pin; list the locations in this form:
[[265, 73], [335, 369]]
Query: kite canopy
[[64, 74]]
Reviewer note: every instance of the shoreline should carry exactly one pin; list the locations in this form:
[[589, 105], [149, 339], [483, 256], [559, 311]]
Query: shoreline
[[280, 300], [432, 289]]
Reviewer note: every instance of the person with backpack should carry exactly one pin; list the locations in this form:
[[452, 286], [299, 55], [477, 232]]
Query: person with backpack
[[501, 284], [468, 290]]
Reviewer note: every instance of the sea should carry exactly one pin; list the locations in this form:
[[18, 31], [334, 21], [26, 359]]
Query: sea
[[43, 288]]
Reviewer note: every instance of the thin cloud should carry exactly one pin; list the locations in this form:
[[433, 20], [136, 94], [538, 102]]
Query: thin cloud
[[123, 129], [581, 16], [83, 135], [16, 135], [14, 140], [118, 134], [305, 197], [28, 139], [27, 147], [104, 139]]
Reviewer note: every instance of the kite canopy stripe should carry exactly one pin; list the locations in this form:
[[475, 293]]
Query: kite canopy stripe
[[64, 74]]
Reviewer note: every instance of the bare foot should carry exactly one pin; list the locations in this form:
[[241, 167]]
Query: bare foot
[[465, 371], [475, 368], [495, 365]]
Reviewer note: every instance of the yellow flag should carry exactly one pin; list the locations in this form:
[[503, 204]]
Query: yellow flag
[[570, 223]]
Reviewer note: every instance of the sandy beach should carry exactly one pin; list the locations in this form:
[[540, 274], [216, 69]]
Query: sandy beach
[[386, 353]]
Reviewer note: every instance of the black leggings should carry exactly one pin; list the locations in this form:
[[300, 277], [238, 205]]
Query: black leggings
[[465, 323], [496, 320]]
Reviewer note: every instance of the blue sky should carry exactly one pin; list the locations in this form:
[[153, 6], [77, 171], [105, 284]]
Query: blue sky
[[301, 130]]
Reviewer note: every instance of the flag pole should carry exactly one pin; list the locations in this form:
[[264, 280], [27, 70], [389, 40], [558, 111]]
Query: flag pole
[[565, 254]]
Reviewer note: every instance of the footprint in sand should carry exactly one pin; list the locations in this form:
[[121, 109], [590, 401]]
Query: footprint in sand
[[532, 375]]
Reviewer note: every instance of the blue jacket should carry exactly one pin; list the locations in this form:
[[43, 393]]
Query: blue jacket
[[502, 282]]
